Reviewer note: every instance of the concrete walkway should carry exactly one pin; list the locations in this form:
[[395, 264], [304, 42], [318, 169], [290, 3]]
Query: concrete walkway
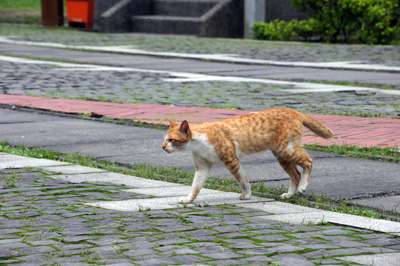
[[141, 223], [360, 131]]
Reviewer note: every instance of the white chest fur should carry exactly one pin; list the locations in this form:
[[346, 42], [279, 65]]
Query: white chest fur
[[201, 147]]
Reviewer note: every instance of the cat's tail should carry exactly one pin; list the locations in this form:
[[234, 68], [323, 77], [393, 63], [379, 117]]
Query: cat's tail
[[317, 127]]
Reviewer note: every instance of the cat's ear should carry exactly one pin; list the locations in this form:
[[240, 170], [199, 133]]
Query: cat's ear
[[172, 123], [185, 128]]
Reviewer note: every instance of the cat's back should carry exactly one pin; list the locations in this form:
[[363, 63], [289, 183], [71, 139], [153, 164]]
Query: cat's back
[[269, 117], [255, 131], [252, 121]]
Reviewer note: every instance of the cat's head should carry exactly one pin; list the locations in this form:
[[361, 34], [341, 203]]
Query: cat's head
[[178, 137]]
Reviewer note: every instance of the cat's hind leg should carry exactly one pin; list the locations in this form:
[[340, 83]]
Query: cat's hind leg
[[200, 177], [306, 163]]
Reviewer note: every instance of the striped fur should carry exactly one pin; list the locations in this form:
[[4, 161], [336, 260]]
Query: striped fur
[[224, 142]]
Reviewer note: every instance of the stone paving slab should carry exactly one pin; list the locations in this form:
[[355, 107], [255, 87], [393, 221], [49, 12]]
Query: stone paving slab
[[12, 161], [116, 178], [72, 169], [178, 190], [216, 198], [281, 208], [317, 217], [290, 213], [376, 259]]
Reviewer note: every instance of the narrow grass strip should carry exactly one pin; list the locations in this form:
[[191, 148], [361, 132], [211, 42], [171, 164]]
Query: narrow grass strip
[[384, 154], [170, 174]]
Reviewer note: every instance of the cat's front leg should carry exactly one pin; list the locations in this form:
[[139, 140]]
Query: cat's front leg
[[200, 177], [237, 171]]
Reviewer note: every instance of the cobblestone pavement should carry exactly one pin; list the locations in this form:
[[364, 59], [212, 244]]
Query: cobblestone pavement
[[43, 221], [135, 87], [282, 51]]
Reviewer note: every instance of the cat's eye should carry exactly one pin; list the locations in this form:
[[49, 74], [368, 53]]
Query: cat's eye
[[171, 140]]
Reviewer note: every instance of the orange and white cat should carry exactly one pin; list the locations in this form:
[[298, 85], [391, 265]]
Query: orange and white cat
[[224, 142]]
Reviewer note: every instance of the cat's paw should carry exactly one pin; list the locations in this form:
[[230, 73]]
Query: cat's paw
[[301, 190], [185, 200], [286, 196], [245, 197]]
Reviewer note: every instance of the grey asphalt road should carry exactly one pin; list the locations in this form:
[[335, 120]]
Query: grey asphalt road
[[333, 175]]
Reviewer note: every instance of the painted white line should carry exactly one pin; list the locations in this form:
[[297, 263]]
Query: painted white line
[[75, 67], [300, 87], [179, 77], [232, 58]]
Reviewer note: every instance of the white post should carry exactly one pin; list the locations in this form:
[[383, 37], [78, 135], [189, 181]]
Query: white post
[[254, 11]]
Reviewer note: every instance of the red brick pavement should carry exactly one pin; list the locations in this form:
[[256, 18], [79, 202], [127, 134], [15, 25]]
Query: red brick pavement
[[360, 131]]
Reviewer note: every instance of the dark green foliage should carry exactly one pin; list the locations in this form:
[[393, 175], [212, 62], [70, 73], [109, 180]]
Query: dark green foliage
[[365, 21], [279, 30], [275, 30]]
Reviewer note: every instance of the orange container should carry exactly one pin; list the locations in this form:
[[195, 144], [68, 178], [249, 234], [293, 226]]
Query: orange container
[[80, 13]]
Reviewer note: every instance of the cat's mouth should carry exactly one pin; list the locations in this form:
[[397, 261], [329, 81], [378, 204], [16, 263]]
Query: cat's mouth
[[169, 151]]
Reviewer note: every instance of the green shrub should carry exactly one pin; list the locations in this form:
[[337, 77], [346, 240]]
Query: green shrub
[[307, 29], [279, 30], [372, 21], [276, 30], [376, 20]]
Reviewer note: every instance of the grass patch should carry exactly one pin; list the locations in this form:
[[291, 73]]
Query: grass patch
[[20, 4], [25, 16], [10, 181], [387, 154], [20, 11], [180, 176]]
